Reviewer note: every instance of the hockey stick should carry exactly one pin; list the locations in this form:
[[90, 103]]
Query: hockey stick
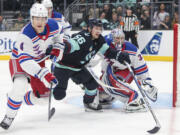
[[52, 110], [98, 80], [158, 126]]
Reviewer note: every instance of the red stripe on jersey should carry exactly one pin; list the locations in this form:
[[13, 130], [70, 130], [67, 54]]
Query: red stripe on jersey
[[141, 69]]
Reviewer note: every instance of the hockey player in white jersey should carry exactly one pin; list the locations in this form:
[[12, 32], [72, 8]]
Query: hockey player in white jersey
[[118, 76], [58, 17], [27, 62]]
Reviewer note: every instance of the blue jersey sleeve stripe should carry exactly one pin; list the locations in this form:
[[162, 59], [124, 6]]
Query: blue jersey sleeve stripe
[[23, 60], [68, 27], [142, 72]]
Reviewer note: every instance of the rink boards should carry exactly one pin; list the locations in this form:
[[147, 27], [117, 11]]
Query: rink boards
[[155, 45]]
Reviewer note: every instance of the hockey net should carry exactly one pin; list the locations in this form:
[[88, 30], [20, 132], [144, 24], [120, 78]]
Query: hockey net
[[176, 66]]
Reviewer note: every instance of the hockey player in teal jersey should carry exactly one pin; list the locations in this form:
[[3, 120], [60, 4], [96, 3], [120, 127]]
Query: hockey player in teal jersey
[[79, 50]]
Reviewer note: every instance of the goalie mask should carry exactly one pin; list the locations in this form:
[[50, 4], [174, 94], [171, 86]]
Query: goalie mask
[[118, 37], [119, 79]]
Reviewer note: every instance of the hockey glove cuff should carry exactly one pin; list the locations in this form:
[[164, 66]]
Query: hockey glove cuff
[[57, 51], [47, 78]]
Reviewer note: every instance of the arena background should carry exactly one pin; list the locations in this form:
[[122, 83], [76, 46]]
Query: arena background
[[155, 41]]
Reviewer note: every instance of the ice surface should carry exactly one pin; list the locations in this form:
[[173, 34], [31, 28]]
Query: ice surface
[[70, 118]]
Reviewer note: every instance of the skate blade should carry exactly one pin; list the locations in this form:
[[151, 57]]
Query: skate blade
[[107, 106], [91, 110], [135, 111]]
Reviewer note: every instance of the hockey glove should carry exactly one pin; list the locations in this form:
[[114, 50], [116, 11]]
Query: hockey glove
[[49, 49], [55, 50], [149, 89], [123, 57], [47, 78]]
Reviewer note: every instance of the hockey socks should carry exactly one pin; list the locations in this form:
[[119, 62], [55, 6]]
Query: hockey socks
[[27, 98], [12, 109]]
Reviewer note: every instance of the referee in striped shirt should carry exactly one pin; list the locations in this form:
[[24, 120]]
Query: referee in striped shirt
[[130, 25]]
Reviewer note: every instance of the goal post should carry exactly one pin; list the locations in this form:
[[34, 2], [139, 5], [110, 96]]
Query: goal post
[[176, 66]]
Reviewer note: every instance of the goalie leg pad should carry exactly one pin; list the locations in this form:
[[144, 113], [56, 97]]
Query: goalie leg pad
[[125, 93]]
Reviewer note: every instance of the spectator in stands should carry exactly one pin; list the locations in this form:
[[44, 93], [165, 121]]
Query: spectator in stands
[[145, 20], [144, 7], [114, 22], [159, 16], [176, 5], [104, 21], [175, 18], [119, 11], [91, 12], [107, 10], [138, 12], [19, 24], [2, 24], [166, 24]]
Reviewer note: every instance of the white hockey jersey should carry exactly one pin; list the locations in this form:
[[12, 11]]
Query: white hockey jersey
[[30, 47], [61, 21], [137, 61]]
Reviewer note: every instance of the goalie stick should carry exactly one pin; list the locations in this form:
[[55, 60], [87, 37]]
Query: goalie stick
[[158, 126], [52, 110], [98, 80]]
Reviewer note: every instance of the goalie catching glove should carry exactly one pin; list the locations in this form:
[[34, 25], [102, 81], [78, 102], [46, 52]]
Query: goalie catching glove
[[47, 78], [123, 57], [149, 89]]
